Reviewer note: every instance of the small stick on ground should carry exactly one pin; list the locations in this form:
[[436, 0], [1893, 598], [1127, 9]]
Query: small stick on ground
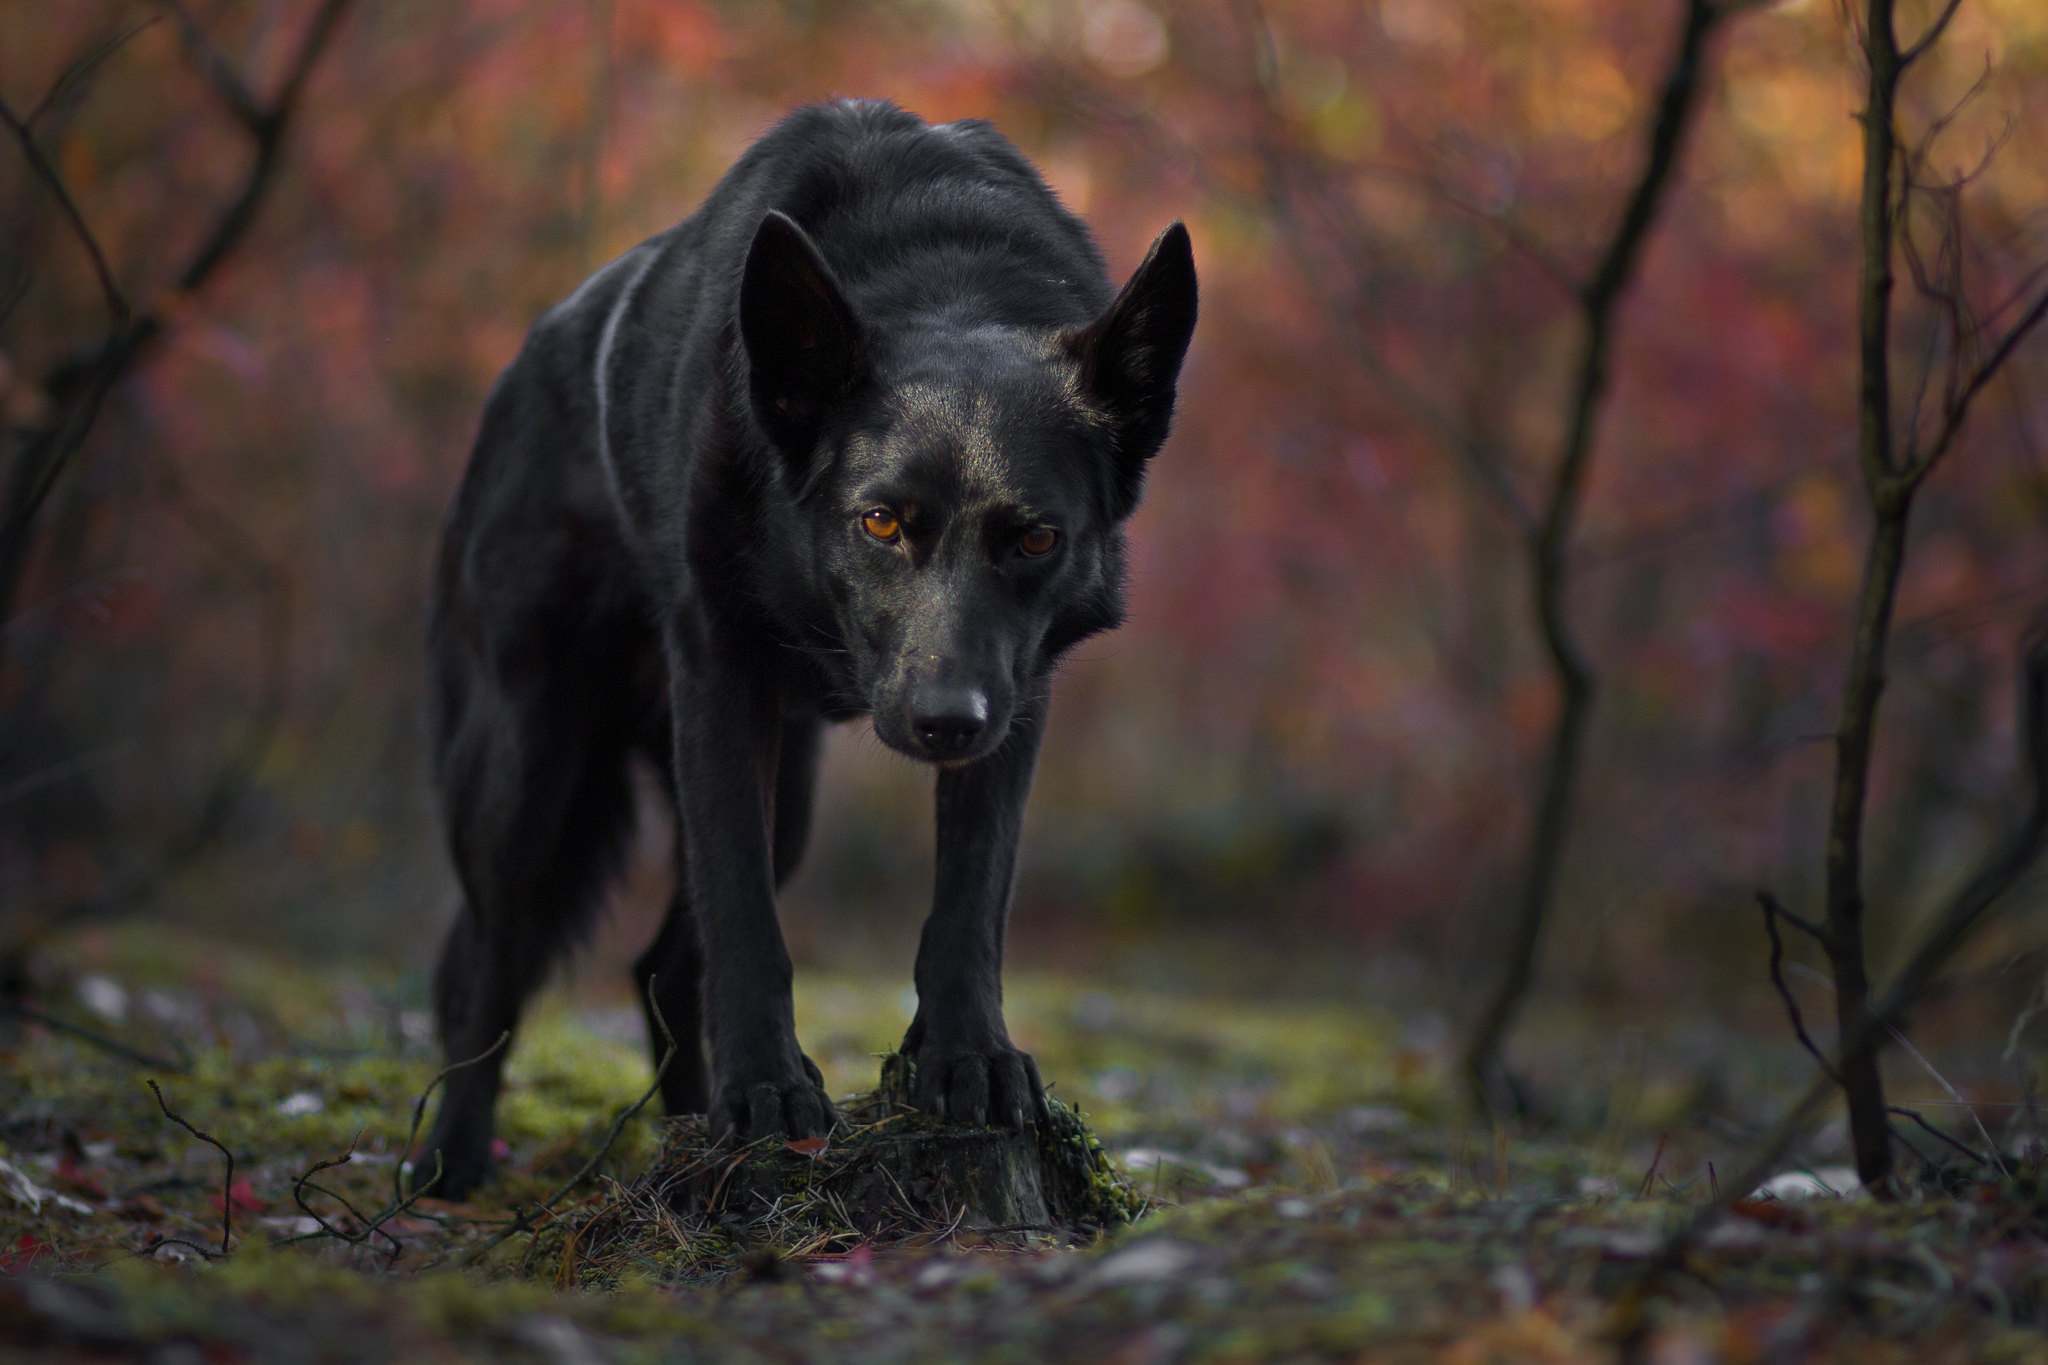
[[227, 1184], [98, 1040], [371, 1226], [419, 1113], [531, 1218], [1650, 1176]]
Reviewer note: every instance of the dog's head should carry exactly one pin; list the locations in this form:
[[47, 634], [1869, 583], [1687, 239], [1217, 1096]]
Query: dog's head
[[965, 484]]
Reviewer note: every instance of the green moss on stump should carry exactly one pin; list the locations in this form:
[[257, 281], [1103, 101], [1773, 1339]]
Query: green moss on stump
[[888, 1174]]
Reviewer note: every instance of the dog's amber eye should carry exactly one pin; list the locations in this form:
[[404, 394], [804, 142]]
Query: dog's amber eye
[[1037, 541], [882, 524]]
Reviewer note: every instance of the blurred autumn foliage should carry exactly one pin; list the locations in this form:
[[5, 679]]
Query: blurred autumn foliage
[[1329, 708]]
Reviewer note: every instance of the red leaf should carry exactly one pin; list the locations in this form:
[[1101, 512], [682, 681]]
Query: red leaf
[[79, 1180], [1772, 1213], [811, 1147], [244, 1197]]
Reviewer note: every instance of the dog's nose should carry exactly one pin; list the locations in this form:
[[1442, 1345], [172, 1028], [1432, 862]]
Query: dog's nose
[[948, 719]]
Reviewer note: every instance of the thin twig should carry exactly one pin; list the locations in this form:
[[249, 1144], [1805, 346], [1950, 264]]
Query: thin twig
[[1902, 1111], [304, 1181], [531, 1218], [1650, 1176], [1941, 1080], [1959, 408], [53, 183], [83, 66], [402, 1170], [1931, 37], [372, 1225], [82, 382], [1773, 906], [98, 1040], [227, 83], [1549, 549], [1772, 912], [227, 1183]]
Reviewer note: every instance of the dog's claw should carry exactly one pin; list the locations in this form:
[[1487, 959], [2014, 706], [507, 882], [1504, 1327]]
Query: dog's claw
[[992, 1087], [750, 1112]]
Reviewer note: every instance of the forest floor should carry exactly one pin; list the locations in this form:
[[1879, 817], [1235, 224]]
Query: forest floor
[[1310, 1195]]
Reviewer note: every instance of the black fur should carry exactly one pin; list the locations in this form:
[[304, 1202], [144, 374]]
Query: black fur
[[791, 461]]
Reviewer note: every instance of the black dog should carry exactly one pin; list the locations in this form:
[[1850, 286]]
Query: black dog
[[857, 438]]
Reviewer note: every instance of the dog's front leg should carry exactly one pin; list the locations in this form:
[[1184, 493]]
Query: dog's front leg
[[967, 1068], [726, 736]]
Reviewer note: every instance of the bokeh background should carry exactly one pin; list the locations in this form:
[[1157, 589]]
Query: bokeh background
[[1307, 763]]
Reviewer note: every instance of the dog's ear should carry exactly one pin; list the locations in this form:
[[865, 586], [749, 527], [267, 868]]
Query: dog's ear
[[1131, 355], [803, 343]]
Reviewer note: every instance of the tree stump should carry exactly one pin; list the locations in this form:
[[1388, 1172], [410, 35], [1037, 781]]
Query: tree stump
[[890, 1171]]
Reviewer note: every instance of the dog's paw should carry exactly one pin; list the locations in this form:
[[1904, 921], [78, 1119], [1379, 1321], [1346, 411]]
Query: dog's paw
[[991, 1086], [756, 1107]]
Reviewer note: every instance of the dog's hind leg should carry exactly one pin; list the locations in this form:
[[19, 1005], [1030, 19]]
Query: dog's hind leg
[[538, 807]]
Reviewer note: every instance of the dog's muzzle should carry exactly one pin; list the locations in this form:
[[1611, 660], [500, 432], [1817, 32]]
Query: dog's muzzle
[[947, 720]]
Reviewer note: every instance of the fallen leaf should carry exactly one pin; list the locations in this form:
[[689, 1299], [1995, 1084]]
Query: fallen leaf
[[812, 1147], [1772, 1213], [244, 1197], [77, 1179]]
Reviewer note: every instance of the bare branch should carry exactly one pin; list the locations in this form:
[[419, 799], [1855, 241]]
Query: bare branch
[[1959, 408], [269, 127], [1990, 1144], [1550, 550], [1879, 44], [1933, 35], [1917, 156], [81, 384], [83, 66], [227, 83], [1772, 913], [1976, 1157], [117, 302], [310, 47], [1773, 907]]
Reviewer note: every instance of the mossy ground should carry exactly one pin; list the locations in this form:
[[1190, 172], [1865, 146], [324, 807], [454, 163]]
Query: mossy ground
[[1308, 1200]]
